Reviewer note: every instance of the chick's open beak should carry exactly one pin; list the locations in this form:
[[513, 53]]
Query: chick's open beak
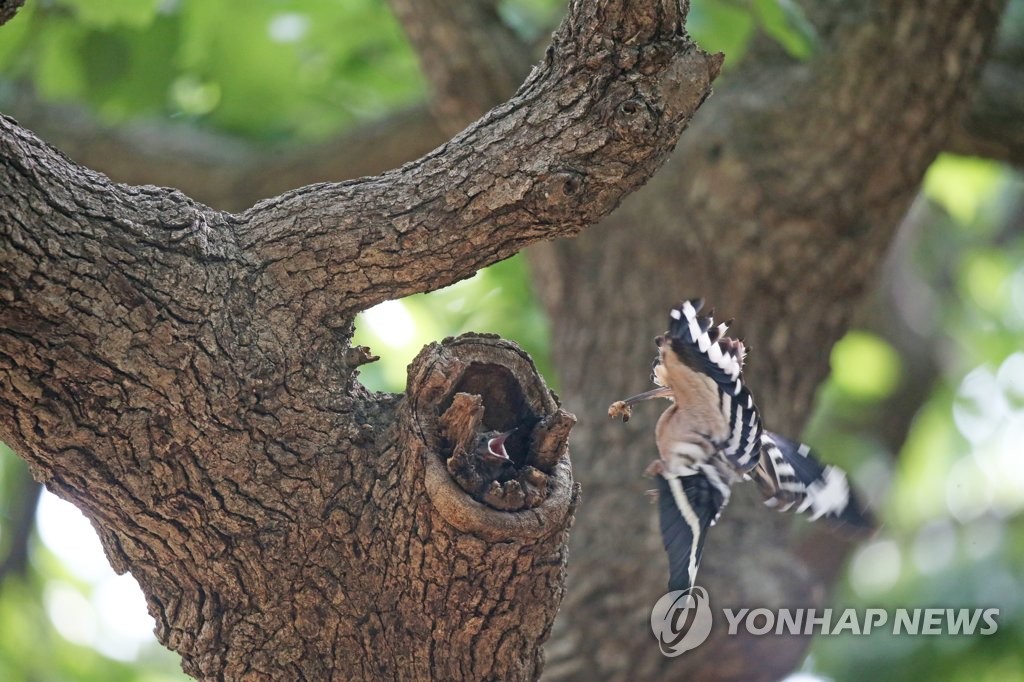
[[496, 445]]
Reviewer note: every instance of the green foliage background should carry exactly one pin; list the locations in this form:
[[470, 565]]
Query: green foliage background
[[302, 70]]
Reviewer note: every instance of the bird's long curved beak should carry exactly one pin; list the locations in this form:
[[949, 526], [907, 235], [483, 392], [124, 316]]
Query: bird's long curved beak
[[660, 392]]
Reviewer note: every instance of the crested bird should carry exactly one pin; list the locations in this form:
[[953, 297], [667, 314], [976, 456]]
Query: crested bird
[[711, 437]]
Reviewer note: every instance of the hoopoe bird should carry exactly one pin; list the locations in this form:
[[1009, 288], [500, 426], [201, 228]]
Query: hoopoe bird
[[711, 437]]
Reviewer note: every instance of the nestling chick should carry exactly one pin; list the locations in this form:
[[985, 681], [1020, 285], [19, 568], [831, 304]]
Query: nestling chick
[[491, 454], [488, 462]]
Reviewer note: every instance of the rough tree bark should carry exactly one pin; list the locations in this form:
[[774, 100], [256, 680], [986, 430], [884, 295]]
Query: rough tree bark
[[185, 376], [778, 207]]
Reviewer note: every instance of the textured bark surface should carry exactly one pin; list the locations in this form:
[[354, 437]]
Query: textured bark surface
[[185, 376]]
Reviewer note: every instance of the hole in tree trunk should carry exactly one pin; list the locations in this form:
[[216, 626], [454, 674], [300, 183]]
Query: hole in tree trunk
[[465, 393], [505, 407]]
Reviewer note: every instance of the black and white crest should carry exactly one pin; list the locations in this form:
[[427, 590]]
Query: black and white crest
[[703, 347]]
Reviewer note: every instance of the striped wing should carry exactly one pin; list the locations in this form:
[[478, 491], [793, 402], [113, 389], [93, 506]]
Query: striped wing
[[789, 474], [700, 346], [687, 507]]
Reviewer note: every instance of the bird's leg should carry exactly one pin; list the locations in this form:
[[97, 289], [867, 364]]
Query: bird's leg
[[624, 408], [655, 468]]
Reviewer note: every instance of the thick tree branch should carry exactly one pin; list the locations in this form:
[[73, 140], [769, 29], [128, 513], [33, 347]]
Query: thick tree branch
[[594, 120]]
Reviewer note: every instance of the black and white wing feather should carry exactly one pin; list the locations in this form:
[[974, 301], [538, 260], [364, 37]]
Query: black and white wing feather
[[687, 507], [790, 475]]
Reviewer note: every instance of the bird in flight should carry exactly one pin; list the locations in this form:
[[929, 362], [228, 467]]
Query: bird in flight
[[711, 437]]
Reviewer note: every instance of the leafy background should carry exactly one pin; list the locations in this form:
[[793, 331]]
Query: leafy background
[[948, 345]]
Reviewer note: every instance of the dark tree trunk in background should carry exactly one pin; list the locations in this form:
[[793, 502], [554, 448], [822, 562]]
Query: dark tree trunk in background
[[778, 206], [778, 210]]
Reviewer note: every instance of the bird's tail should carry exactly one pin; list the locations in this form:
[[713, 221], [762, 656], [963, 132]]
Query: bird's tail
[[687, 507], [789, 475]]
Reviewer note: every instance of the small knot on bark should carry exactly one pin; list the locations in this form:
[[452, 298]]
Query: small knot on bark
[[634, 119], [562, 189], [494, 437]]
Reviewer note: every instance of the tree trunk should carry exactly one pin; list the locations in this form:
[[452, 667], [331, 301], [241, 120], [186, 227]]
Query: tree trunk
[[185, 376]]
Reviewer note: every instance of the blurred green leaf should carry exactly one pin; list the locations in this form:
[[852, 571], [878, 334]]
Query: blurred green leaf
[[785, 22], [15, 33], [865, 366], [721, 27], [110, 13], [193, 96], [728, 27], [531, 18], [985, 275], [962, 185], [59, 73], [262, 68]]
